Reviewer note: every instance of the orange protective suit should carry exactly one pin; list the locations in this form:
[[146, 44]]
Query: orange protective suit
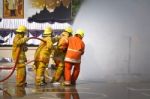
[[73, 57]]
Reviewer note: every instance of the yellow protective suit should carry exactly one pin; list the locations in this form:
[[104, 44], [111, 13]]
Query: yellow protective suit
[[42, 56], [59, 56], [19, 42]]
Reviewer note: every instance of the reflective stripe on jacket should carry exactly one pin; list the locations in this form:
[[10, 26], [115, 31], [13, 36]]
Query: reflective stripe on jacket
[[75, 50]]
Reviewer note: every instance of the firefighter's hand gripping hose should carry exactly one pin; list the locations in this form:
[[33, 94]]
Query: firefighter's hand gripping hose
[[13, 68]]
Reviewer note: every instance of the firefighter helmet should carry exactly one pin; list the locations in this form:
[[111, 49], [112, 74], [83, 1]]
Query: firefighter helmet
[[47, 31], [69, 29], [21, 29], [80, 32]]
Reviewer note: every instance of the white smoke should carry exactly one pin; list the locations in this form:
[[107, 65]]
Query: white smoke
[[116, 36]]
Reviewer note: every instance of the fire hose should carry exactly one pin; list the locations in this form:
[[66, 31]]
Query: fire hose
[[17, 59]]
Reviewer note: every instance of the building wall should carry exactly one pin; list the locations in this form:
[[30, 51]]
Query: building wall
[[7, 52], [1, 8]]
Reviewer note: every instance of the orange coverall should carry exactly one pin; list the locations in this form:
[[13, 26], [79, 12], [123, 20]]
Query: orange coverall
[[73, 57]]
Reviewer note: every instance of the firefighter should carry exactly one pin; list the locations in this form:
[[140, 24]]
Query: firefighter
[[59, 54], [19, 43], [42, 56], [73, 57]]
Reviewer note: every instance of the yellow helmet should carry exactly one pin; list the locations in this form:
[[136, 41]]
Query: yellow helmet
[[64, 34], [21, 28], [47, 31], [80, 32], [69, 29]]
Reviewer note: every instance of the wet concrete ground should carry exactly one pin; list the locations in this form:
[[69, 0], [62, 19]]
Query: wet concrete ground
[[83, 89]]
